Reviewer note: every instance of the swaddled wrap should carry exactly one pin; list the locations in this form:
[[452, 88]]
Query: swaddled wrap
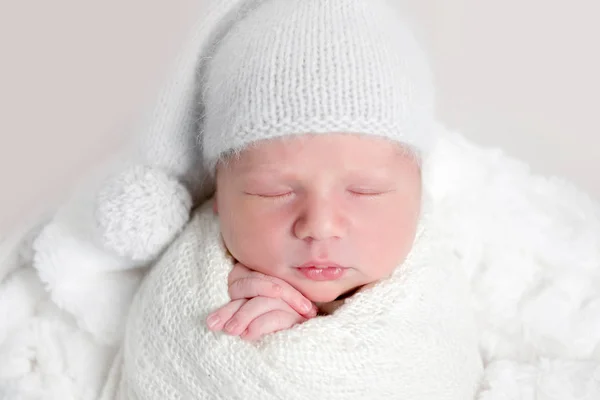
[[409, 337]]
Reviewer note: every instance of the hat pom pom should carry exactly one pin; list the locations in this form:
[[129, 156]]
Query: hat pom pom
[[140, 211]]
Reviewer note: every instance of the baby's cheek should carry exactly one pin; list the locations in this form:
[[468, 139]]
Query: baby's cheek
[[389, 245], [258, 247]]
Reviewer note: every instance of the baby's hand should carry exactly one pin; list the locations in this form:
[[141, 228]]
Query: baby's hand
[[260, 304], [245, 283], [253, 318]]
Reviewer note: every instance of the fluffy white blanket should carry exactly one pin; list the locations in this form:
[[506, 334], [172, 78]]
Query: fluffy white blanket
[[412, 336], [529, 246]]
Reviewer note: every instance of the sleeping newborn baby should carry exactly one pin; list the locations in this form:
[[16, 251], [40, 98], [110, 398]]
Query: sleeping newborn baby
[[318, 119], [333, 219], [318, 217]]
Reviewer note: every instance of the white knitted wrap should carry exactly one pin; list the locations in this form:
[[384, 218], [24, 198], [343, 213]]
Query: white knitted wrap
[[317, 66], [410, 337]]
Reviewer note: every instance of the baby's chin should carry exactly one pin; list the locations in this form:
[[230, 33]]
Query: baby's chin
[[321, 292], [322, 297]]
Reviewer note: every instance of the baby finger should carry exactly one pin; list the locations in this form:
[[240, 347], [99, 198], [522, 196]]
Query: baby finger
[[270, 322], [217, 319], [246, 288], [251, 310]]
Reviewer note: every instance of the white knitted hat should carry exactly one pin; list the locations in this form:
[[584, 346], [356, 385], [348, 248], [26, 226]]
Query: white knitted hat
[[259, 69], [316, 66]]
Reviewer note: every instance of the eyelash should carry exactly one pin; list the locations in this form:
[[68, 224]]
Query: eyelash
[[276, 196], [365, 194], [289, 194]]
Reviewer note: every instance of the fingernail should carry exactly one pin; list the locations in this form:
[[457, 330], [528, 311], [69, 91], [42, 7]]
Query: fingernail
[[213, 320], [307, 306], [230, 326]]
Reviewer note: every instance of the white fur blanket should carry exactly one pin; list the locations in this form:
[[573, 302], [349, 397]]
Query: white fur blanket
[[412, 336], [529, 245]]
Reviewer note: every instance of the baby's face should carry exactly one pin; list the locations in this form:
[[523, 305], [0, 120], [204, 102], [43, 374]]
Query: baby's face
[[347, 202]]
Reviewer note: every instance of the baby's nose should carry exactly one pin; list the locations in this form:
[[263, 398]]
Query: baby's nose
[[320, 220]]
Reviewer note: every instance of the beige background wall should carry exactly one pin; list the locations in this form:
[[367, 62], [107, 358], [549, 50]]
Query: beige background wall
[[520, 74]]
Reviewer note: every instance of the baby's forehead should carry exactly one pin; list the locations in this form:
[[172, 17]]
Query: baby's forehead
[[337, 158], [342, 147]]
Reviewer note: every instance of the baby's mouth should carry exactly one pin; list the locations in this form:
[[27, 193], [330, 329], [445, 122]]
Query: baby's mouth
[[322, 271]]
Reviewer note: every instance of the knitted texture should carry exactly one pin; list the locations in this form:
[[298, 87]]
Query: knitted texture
[[317, 66], [166, 137], [141, 191], [409, 337]]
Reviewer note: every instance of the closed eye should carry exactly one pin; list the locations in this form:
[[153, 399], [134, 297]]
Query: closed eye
[[275, 195], [366, 193]]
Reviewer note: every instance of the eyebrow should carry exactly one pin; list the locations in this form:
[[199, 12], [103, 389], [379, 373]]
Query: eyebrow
[[380, 172], [256, 172]]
